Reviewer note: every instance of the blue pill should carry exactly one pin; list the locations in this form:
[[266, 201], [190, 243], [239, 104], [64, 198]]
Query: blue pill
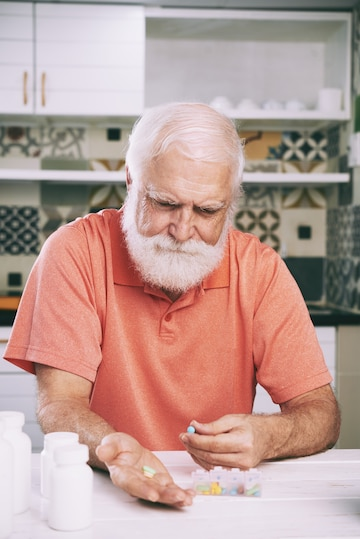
[[191, 429]]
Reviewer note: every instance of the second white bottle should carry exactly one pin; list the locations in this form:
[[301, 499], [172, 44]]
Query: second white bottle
[[71, 489]]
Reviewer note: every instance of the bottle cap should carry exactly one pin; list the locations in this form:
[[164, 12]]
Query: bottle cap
[[12, 419], [57, 439]]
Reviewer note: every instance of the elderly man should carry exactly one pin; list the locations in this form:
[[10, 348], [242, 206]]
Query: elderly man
[[140, 321]]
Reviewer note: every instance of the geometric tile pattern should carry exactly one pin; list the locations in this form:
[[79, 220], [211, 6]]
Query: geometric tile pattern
[[67, 142], [340, 239], [356, 231], [41, 142], [343, 283], [333, 142], [303, 197], [304, 147], [19, 141], [107, 196], [260, 197], [52, 217], [19, 230], [265, 224], [343, 257]]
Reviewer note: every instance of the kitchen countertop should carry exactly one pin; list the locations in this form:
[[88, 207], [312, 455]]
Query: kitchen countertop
[[321, 315], [7, 317], [317, 496]]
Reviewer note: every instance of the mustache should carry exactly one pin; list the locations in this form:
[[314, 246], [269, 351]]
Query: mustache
[[167, 244]]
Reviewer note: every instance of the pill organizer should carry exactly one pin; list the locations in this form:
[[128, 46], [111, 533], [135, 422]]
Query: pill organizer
[[224, 482]]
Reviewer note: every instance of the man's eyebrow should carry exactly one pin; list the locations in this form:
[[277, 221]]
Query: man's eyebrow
[[161, 197], [213, 205], [153, 193]]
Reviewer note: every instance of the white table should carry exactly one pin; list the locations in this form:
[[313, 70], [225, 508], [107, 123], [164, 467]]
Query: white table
[[317, 496]]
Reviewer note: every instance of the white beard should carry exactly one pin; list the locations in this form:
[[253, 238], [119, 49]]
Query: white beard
[[165, 263]]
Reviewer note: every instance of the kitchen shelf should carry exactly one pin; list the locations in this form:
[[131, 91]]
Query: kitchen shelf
[[74, 176], [89, 176], [284, 120], [294, 179], [200, 54], [259, 120]]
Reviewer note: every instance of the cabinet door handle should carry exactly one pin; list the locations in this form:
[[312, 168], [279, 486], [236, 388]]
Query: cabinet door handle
[[25, 81], [43, 81]]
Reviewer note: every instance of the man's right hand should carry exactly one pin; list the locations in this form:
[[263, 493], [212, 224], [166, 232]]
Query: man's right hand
[[125, 458]]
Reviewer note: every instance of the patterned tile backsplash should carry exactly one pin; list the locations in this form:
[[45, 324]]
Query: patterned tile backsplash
[[276, 215], [343, 257], [19, 230], [264, 223]]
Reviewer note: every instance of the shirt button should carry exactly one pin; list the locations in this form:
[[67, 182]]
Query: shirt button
[[168, 317]]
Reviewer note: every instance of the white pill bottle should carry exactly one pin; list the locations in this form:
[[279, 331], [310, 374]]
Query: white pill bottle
[[52, 440], [6, 485], [71, 489], [21, 444]]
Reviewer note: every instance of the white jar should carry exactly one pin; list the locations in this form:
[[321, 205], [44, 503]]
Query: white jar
[[71, 489], [6, 484], [52, 440], [21, 444]]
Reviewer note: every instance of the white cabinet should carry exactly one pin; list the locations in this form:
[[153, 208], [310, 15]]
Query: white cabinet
[[200, 54], [83, 60], [327, 339], [18, 392], [16, 58], [89, 59]]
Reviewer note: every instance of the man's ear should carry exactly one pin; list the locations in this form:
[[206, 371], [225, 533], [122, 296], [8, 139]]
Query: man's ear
[[128, 178]]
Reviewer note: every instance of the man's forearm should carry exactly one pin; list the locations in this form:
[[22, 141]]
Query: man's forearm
[[306, 425], [72, 416]]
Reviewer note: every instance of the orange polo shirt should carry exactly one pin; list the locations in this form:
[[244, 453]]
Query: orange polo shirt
[[154, 364]]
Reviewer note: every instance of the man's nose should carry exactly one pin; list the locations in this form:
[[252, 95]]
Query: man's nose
[[182, 224]]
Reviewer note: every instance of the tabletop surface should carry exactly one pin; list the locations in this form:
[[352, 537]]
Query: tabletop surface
[[317, 496]]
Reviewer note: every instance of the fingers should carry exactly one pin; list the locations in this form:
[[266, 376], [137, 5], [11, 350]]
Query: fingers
[[223, 424], [125, 459], [107, 452], [160, 488], [222, 442], [227, 442]]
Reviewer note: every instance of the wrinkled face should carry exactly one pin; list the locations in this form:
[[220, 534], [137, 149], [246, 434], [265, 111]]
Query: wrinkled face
[[184, 199], [176, 221]]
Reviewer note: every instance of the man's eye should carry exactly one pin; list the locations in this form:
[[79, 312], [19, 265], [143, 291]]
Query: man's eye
[[208, 211], [164, 204]]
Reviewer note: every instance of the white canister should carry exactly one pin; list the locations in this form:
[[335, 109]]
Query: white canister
[[71, 489], [21, 444], [6, 484], [330, 99], [52, 440]]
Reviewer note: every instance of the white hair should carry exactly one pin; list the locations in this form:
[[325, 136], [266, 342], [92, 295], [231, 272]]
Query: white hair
[[197, 130]]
